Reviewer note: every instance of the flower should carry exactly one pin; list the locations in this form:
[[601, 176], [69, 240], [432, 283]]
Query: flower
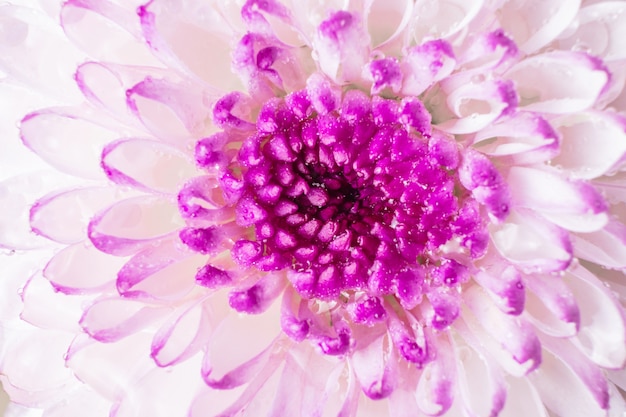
[[314, 208]]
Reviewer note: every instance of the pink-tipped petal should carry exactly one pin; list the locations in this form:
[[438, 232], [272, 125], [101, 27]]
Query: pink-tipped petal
[[110, 319], [551, 306], [514, 334], [534, 25], [182, 336], [172, 111], [586, 158], [562, 391], [605, 247], [426, 64], [66, 269], [485, 399], [571, 204], [531, 242], [67, 141], [587, 371], [162, 271], [598, 28], [523, 138], [82, 20], [342, 46], [63, 217], [147, 164], [133, 223], [506, 288], [602, 335], [436, 386], [375, 365], [443, 19], [570, 82], [228, 362]]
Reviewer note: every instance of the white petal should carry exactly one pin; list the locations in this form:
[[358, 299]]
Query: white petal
[[534, 24], [602, 334], [559, 82], [592, 143]]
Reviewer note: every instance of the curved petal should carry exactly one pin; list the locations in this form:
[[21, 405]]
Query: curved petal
[[524, 138], [82, 268], [442, 19], [172, 111], [375, 364], [551, 306], [63, 217], [178, 384], [522, 400], [590, 374], [436, 386], [597, 31], [342, 46], [426, 64], [571, 204], [84, 20], [485, 399], [570, 82], [133, 223], [67, 141], [192, 37], [515, 337], [47, 308], [315, 388], [104, 84], [110, 319], [562, 391], [592, 143], [505, 287], [477, 104], [534, 24], [605, 247], [230, 361], [147, 164], [530, 242], [602, 335], [387, 20], [162, 271], [182, 336]]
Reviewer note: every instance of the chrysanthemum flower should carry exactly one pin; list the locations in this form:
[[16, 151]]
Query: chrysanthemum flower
[[263, 208]]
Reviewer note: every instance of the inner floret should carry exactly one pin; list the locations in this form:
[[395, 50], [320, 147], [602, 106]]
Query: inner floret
[[361, 195]]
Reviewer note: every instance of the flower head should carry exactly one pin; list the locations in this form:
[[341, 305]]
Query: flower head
[[266, 208]]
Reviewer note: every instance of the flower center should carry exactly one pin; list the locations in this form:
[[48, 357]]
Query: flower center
[[363, 196]]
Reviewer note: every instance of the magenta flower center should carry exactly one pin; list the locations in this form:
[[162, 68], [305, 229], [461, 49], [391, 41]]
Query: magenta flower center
[[358, 197]]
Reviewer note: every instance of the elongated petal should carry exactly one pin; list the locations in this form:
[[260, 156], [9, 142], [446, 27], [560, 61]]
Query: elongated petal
[[66, 269], [602, 334], [562, 391], [598, 27], [514, 334], [66, 141], [147, 164], [63, 217], [587, 158], [131, 224], [573, 81], [111, 318], [532, 242], [535, 25], [579, 206]]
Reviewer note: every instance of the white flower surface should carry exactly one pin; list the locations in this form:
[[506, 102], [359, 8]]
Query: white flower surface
[[313, 208]]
